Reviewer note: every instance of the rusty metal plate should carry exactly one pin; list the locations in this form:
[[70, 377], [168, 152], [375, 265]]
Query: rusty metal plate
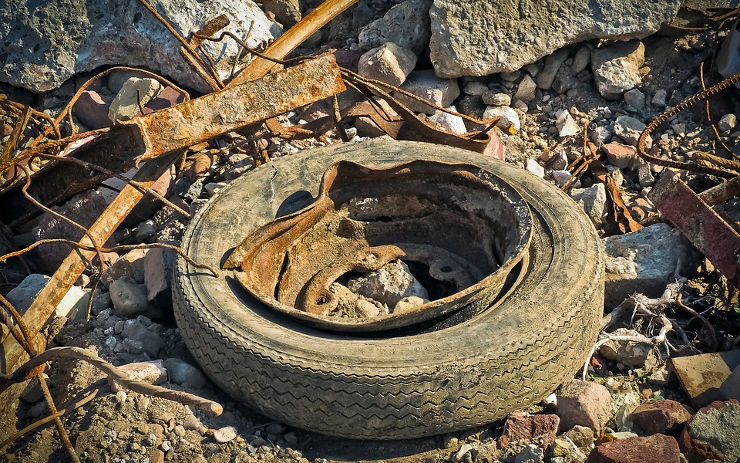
[[466, 228], [706, 230]]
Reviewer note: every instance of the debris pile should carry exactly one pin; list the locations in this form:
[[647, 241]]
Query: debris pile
[[118, 126]]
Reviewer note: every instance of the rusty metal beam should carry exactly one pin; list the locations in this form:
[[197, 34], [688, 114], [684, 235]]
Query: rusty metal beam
[[706, 230]]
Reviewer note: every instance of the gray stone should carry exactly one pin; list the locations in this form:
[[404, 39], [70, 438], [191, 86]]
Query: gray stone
[[449, 122], [727, 122], [132, 98], [561, 176], [497, 98], [566, 125], [526, 89], [660, 98], [128, 297], [509, 117], [535, 168], [44, 44], [629, 353], [601, 135], [552, 65], [629, 129], [146, 336], [158, 265], [530, 454], [287, 12], [714, 433], [425, 84], [389, 284], [475, 88], [730, 388], [592, 199], [616, 68], [635, 98], [75, 301], [388, 63], [406, 25], [645, 261], [581, 59], [645, 175], [184, 374], [481, 37]]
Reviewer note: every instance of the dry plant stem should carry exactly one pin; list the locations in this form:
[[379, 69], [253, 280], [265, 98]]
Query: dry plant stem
[[291, 39], [714, 344], [135, 184], [701, 96], [114, 374], [708, 114], [47, 419]]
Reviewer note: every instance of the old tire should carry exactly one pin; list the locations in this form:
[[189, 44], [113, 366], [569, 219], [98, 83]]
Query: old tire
[[401, 386]]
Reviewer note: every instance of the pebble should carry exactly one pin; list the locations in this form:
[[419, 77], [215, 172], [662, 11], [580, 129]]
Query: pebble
[[145, 230], [509, 117], [225, 434], [583, 403], [427, 85], [553, 62], [629, 129], [145, 335], [727, 122], [582, 436], [184, 374], [659, 98], [510, 76], [660, 417], [564, 447], [601, 135], [389, 284], [496, 98], [74, 301], [530, 454], [150, 372], [388, 63], [566, 125], [128, 297], [635, 98], [645, 175], [619, 155], [535, 168], [581, 59], [92, 109], [449, 122], [408, 303]]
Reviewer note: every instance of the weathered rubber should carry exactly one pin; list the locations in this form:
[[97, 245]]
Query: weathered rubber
[[469, 374]]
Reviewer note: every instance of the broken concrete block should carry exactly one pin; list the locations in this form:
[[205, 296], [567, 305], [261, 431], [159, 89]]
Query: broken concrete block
[[583, 403], [388, 63], [702, 375], [427, 85], [645, 261]]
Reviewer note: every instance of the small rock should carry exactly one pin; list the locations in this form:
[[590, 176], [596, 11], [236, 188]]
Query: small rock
[[462, 451], [702, 375], [150, 372], [679, 129], [645, 175], [644, 261], [92, 109], [389, 284], [601, 135], [657, 448], [566, 125], [144, 336], [635, 98], [558, 161], [510, 76], [713, 433], [727, 122], [583, 403], [129, 265], [427, 85], [213, 188], [128, 297], [660, 417], [166, 98], [184, 374], [581, 59], [158, 264], [660, 98], [629, 129], [530, 454], [561, 176], [406, 25], [145, 230], [509, 117], [582, 436], [408, 303], [564, 447], [134, 94], [526, 90], [521, 426], [496, 98], [629, 353], [475, 88], [619, 155], [616, 67], [33, 391], [156, 456], [7, 129], [225, 434], [388, 63], [730, 388], [550, 70], [519, 105], [74, 302], [592, 199], [535, 168], [449, 122], [287, 12]]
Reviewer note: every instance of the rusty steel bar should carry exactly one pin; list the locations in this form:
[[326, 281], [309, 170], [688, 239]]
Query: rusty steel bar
[[166, 133], [706, 230]]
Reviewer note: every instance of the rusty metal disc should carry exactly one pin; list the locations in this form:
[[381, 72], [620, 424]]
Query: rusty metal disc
[[463, 226]]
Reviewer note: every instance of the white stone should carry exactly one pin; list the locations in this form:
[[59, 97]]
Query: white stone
[[727, 122], [388, 63], [152, 372], [616, 67], [427, 85], [509, 117], [132, 97], [535, 168], [526, 90], [389, 284], [592, 199], [449, 122], [566, 125], [225, 434]]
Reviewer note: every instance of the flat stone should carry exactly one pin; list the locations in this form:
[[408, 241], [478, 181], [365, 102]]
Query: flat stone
[[480, 37], [660, 417], [509, 117], [713, 433], [128, 297], [629, 353], [388, 63], [521, 426], [592, 199], [92, 109], [134, 94], [635, 98], [535, 168], [74, 301], [566, 125], [616, 67], [702, 375], [629, 129], [657, 448], [619, 155], [406, 25], [645, 261], [497, 98], [526, 90], [427, 85], [583, 403], [152, 372], [49, 42]]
